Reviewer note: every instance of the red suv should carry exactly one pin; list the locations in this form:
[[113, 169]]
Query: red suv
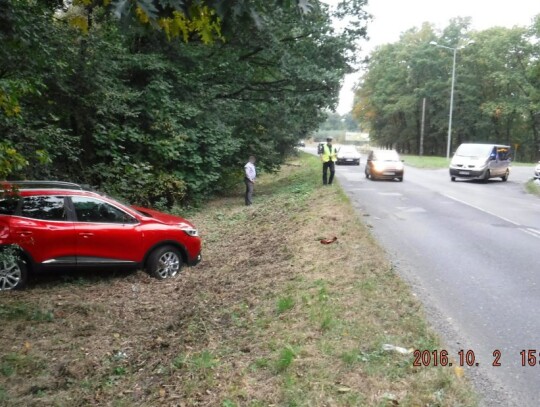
[[58, 224]]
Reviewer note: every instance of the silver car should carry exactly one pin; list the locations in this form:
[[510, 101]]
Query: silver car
[[480, 161], [348, 155]]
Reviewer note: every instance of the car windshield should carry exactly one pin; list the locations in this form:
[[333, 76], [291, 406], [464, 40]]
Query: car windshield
[[386, 155], [348, 149], [474, 150]]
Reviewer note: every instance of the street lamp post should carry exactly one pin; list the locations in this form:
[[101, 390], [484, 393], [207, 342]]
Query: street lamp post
[[449, 141]]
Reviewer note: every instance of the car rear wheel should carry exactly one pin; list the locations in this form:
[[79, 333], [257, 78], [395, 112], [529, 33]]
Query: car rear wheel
[[164, 262], [13, 274], [453, 179], [505, 176]]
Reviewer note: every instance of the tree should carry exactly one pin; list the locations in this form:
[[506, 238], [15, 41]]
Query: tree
[[496, 92], [157, 120]]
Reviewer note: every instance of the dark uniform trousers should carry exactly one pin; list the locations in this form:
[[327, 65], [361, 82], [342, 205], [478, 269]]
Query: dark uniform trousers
[[329, 165]]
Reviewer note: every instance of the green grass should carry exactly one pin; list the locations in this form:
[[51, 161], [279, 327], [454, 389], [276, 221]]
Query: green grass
[[284, 304], [285, 358], [532, 188], [3, 395], [523, 164], [24, 312], [429, 162], [14, 363]]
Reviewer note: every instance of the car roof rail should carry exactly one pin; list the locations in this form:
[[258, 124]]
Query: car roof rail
[[43, 184]]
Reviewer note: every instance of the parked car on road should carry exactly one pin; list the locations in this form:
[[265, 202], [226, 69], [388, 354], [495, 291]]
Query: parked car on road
[[537, 171], [384, 164], [301, 143], [59, 225], [480, 161], [348, 155]]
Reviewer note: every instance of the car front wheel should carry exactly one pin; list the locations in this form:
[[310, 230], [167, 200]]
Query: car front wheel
[[13, 274], [505, 176], [164, 262]]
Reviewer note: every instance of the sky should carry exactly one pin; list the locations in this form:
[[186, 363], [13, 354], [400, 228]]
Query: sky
[[392, 17]]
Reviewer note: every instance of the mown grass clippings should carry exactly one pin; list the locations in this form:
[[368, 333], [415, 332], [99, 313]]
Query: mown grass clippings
[[270, 317]]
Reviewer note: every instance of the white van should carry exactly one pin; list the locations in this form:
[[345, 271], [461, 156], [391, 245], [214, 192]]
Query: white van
[[480, 161]]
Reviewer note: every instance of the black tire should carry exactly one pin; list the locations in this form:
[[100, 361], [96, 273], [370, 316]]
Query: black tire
[[366, 174], [164, 262], [13, 274], [358, 163], [400, 179], [453, 179], [487, 175], [505, 176]]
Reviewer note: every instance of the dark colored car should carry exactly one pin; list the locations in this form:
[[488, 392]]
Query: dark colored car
[[384, 164], [348, 155], [57, 225], [301, 143]]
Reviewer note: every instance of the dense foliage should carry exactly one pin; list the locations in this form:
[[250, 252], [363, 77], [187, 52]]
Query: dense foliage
[[497, 91], [155, 117]]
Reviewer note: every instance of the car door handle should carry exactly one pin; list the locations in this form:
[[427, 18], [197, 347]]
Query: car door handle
[[86, 234]]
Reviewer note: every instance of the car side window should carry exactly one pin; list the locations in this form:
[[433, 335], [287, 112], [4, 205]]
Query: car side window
[[97, 211], [8, 206], [44, 208]]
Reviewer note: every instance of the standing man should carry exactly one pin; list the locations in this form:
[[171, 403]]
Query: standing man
[[329, 158], [249, 178]]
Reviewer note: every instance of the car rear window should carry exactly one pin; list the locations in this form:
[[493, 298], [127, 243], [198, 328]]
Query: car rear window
[[8, 206], [386, 155], [44, 208]]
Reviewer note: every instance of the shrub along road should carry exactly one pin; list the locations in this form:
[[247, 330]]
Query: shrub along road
[[270, 317]]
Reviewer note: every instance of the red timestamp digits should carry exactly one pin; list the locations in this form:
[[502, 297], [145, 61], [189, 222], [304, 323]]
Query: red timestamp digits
[[529, 357], [465, 357], [433, 358]]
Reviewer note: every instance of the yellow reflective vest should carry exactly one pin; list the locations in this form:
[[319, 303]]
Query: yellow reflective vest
[[329, 154]]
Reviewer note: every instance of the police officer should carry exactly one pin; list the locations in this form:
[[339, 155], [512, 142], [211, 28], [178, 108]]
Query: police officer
[[329, 158]]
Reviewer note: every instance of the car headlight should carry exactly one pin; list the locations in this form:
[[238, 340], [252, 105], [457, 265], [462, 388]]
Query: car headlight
[[191, 232]]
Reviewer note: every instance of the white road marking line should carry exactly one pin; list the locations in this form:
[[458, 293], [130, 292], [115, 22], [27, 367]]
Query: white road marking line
[[534, 231], [411, 209], [483, 210], [391, 193], [529, 231]]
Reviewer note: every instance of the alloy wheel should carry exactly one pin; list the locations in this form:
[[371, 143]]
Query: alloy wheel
[[10, 275]]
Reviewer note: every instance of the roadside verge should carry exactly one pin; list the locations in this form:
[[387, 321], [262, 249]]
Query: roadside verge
[[270, 317]]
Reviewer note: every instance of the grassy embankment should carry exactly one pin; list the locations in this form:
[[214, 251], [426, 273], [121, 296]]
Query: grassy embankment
[[271, 317], [429, 162], [432, 162], [532, 188]]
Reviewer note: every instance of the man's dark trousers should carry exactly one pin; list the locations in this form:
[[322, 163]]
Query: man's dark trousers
[[249, 191], [325, 167]]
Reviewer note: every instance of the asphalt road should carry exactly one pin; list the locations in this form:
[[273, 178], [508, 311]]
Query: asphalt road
[[470, 251]]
